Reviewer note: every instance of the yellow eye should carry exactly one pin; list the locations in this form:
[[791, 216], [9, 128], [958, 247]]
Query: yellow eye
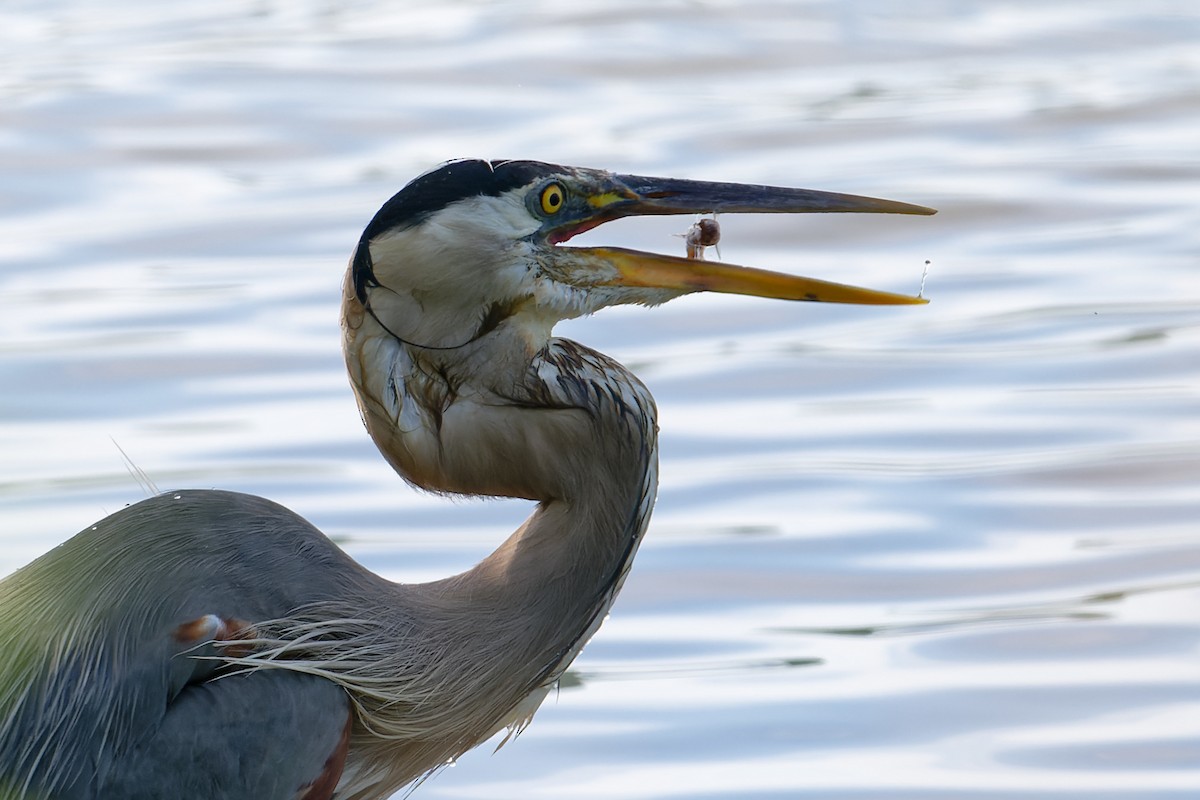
[[554, 197]]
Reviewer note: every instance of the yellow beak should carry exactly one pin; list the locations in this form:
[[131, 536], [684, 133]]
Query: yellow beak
[[636, 268]]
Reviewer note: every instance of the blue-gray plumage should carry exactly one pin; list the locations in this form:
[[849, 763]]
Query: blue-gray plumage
[[215, 645], [112, 703]]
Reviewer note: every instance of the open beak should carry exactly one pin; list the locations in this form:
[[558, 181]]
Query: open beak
[[629, 195]]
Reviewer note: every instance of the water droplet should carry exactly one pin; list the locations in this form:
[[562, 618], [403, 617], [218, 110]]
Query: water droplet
[[177, 497]]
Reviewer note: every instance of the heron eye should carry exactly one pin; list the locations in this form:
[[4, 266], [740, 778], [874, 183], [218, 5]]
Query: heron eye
[[554, 197]]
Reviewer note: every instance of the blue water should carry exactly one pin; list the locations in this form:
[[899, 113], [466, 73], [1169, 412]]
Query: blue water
[[939, 552]]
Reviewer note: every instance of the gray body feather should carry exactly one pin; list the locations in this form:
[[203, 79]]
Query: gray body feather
[[99, 700]]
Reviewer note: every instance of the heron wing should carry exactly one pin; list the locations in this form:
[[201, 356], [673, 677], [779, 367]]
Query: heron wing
[[102, 645]]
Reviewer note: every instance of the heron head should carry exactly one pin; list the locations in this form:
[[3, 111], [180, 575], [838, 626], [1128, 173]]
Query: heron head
[[471, 244]]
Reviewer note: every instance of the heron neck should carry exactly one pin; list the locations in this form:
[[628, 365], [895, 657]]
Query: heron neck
[[524, 613], [547, 588], [556, 423]]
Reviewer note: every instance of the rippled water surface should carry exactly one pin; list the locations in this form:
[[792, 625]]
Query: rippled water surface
[[938, 552]]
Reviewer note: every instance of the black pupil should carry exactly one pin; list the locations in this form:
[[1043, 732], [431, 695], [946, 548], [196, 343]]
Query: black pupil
[[553, 198]]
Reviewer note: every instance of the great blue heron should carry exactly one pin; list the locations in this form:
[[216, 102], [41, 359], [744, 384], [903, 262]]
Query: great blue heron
[[208, 644]]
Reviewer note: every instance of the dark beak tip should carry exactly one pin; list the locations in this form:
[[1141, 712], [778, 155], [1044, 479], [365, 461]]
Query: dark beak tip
[[655, 196]]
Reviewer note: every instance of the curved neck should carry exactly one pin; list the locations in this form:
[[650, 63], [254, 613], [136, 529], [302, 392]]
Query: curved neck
[[547, 588], [514, 413], [536, 601], [519, 415]]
